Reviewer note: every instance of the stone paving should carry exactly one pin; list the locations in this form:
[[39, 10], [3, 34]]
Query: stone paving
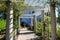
[[26, 35]]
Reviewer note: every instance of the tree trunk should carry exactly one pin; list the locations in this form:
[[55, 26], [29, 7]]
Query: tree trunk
[[53, 22], [9, 21]]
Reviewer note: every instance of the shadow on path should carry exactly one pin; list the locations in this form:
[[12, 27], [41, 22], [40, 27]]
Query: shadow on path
[[37, 38]]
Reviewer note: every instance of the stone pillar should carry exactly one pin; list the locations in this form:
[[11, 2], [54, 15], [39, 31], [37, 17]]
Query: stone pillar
[[43, 26], [9, 21], [35, 23], [53, 22]]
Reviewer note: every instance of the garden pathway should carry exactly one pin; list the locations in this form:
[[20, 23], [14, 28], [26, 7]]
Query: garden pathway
[[26, 34]]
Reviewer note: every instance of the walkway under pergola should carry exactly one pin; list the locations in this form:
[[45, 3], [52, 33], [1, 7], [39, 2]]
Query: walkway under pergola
[[26, 34], [32, 16], [9, 22]]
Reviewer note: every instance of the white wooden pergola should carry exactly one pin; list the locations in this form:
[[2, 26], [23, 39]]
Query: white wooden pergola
[[31, 17], [9, 20]]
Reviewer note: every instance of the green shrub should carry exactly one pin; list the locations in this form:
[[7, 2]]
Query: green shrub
[[39, 29], [58, 33], [2, 24]]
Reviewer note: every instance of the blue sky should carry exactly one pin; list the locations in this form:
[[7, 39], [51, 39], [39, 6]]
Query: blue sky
[[34, 2]]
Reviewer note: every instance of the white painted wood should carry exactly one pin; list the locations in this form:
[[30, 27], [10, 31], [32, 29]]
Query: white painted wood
[[19, 24], [35, 23], [31, 22], [10, 29], [26, 17], [9, 21]]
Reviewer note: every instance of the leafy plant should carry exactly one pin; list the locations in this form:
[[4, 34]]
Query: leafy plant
[[39, 28], [2, 24], [58, 33]]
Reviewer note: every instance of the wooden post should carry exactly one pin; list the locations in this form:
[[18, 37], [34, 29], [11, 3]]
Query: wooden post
[[31, 23], [53, 22], [43, 26], [19, 24], [9, 21], [35, 23]]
